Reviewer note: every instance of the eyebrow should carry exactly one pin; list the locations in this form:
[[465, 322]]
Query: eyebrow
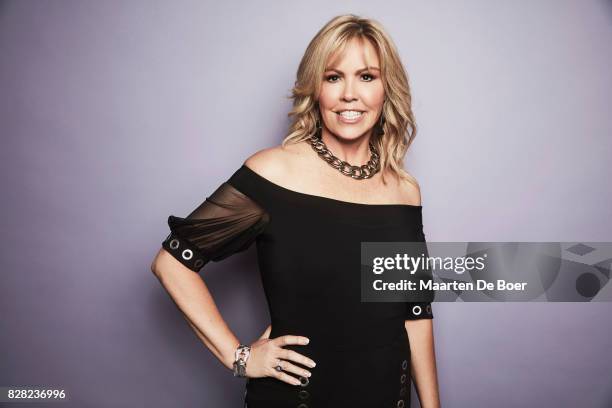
[[356, 72]]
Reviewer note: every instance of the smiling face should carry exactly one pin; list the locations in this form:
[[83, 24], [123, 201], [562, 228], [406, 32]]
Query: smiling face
[[352, 94]]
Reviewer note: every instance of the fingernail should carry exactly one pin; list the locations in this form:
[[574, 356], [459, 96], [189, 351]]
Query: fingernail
[[307, 341]]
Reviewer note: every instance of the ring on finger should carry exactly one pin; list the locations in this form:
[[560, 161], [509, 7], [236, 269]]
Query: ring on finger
[[278, 365]]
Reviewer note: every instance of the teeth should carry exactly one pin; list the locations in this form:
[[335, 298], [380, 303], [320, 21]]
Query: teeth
[[350, 114]]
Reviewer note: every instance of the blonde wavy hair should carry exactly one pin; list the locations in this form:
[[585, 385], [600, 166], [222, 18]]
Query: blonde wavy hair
[[399, 126]]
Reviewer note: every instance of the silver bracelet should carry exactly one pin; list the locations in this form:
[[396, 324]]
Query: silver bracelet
[[241, 355]]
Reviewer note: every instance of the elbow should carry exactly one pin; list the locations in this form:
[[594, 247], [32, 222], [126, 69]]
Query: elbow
[[155, 270], [155, 266], [165, 266], [158, 271]]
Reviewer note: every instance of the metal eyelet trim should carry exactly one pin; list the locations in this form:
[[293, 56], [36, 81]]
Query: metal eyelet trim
[[303, 394], [404, 364], [174, 243], [403, 378], [198, 263], [304, 381], [428, 309], [187, 254], [414, 310], [400, 403]]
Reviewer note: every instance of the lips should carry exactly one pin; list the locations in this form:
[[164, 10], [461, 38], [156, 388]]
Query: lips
[[350, 116]]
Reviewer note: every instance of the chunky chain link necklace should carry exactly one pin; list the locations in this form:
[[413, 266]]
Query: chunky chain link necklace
[[357, 172]]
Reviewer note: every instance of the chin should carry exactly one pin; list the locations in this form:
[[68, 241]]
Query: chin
[[350, 134]]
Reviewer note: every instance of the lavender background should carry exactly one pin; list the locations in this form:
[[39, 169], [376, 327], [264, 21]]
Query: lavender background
[[115, 114]]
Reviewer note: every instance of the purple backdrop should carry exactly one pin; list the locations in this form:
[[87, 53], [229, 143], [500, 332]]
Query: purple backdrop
[[115, 114]]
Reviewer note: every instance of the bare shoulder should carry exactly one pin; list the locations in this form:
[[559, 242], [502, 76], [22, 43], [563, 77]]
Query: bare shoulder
[[409, 191], [274, 163]]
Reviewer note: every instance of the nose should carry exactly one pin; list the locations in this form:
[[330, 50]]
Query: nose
[[348, 93]]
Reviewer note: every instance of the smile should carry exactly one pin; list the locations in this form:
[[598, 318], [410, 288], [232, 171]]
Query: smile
[[350, 116]]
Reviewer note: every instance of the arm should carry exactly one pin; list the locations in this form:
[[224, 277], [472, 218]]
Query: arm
[[423, 361], [420, 335], [192, 297], [227, 222]]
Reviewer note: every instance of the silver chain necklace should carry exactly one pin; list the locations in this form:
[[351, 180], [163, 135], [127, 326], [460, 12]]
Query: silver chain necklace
[[357, 172]]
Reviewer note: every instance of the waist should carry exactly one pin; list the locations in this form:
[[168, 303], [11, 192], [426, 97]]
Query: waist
[[346, 335]]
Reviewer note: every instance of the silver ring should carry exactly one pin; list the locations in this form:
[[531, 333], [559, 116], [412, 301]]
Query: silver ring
[[278, 366]]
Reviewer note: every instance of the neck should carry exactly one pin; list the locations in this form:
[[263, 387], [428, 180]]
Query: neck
[[353, 151]]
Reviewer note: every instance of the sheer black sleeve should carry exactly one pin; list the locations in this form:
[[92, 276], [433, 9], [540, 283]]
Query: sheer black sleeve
[[227, 222], [419, 310]]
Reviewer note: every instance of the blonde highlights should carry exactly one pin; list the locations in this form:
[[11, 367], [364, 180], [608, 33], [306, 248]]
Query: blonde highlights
[[399, 124]]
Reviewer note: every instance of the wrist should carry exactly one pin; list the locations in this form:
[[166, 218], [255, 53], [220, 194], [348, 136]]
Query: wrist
[[241, 357], [230, 355]]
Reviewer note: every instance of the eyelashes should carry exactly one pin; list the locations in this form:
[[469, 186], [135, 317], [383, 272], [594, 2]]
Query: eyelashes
[[328, 77]]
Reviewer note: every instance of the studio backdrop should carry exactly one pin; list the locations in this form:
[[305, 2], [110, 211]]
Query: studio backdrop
[[116, 114]]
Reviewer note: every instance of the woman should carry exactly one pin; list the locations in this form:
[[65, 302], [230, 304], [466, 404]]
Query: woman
[[307, 209]]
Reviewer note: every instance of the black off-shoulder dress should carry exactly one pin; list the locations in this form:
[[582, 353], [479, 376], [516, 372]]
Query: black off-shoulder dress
[[308, 250]]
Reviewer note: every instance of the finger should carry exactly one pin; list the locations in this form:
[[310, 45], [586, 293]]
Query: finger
[[292, 368], [292, 355], [266, 333], [289, 379], [290, 339]]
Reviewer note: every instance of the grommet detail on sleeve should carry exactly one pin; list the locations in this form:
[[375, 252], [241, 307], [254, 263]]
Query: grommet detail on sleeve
[[187, 254], [421, 310], [403, 378], [400, 403], [303, 394], [404, 364], [304, 381]]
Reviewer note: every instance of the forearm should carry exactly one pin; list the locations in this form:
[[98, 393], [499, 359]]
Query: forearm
[[226, 358], [192, 297], [423, 361]]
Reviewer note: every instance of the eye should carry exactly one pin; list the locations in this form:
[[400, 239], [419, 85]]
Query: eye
[[368, 75]]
